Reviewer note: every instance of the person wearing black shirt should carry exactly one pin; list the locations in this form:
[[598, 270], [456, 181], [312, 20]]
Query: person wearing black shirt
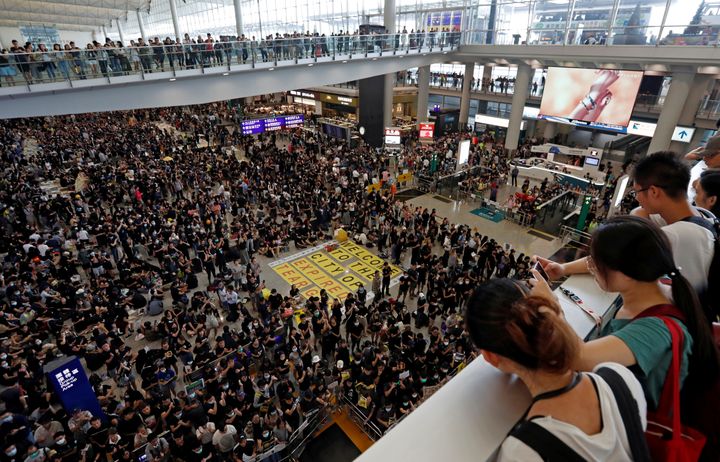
[[245, 447], [98, 436], [386, 272]]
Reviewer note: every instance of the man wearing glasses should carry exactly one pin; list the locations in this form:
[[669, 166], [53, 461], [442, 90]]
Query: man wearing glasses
[[709, 157], [660, 186]]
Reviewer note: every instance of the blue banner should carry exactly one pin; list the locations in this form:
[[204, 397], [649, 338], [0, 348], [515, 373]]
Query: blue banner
[[73, 387]]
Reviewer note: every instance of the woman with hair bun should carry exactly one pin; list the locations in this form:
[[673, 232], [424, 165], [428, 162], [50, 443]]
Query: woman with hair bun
[[525, 334]]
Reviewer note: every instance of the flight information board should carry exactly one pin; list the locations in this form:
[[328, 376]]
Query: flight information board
[[257, 126]]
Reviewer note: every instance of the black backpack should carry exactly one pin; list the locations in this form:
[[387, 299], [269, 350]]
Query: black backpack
[[710, 298]]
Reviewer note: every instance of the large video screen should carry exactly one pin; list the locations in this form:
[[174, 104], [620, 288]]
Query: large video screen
[[592, 97]]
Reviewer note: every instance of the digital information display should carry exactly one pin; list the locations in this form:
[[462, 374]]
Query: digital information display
[[257, 126], [464, 153], [392, 136]]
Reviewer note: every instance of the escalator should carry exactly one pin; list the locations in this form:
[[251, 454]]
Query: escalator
[[341, 439], [638, 147], [631, 145]]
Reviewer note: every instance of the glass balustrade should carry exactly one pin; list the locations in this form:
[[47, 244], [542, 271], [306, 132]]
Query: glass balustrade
[[34, 67]]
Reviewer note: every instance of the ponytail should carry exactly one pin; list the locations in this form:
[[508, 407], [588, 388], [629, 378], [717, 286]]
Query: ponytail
[[640, 250], [704, 364]]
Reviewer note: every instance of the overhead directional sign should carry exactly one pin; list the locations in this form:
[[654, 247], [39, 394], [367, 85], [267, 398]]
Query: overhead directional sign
[[636, 127], [683, 134]]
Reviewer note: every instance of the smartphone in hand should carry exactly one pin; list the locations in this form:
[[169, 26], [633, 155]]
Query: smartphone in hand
[[539, 268]]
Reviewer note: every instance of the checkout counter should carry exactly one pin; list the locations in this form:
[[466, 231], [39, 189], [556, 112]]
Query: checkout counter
[[468, 418]]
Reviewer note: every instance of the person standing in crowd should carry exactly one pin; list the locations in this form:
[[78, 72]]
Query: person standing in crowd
[[707, 191], [708, 156]]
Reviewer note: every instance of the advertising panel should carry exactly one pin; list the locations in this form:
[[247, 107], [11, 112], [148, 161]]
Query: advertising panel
[[426, 131], [603, 97]]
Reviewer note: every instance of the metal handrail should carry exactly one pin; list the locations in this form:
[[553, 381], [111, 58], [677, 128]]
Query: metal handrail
[[116, 59], [356, 415], [581, 237]]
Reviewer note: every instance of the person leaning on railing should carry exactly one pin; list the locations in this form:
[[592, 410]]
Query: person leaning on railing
[[524, 333], [6, 68]]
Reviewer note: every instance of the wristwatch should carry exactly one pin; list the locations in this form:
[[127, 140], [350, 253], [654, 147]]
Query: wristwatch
[[589, 103]]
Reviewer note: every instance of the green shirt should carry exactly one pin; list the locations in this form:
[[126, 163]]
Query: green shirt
[[649, 340]]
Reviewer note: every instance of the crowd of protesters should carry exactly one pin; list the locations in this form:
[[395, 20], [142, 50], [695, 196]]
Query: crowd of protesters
[[135, 240]]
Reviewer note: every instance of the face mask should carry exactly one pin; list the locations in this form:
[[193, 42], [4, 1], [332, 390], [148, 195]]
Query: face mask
[[178, 415], [191, 395], [7, 419], [4, 364], [388, 409], [294, 349], [282, 357], [198, 450], [226, 386], [61, 442], [12, 452], [3, 356], [423, 380], [405, 403], [35, 454]]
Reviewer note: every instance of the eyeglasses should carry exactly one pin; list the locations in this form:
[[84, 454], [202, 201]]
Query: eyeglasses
[[638, 191]]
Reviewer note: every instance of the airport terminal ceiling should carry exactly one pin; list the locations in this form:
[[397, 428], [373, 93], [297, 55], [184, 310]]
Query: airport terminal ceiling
[[67, 14]]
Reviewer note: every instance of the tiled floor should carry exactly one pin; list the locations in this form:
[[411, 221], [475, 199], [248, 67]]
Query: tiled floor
[[456, 212]]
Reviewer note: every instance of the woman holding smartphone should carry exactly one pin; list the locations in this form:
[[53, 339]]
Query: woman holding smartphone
[[630, 255]]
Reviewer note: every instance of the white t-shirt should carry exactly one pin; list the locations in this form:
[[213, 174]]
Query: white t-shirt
[[610, 444], [693, 247], [695, 173]]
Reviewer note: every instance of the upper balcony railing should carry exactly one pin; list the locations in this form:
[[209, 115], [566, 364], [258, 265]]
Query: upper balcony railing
[[107, 62], [573, 35]]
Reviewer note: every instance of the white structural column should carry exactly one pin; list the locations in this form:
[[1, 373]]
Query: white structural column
[[176, 23], [104, 32], [120, 31], [699, 87], [389, 16], [238, 18], [550, 130], [465, 99], [141, 24], [672, 108], [520, 94], [423, 93]]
